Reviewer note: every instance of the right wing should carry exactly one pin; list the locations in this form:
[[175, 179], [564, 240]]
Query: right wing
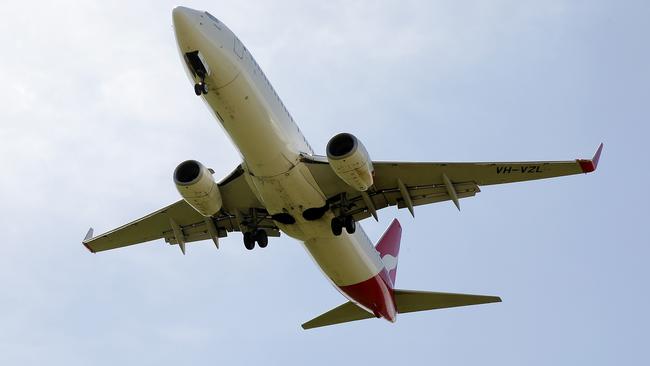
[[179, 223]]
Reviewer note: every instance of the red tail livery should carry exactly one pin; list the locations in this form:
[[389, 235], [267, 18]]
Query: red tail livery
[[377, 296], [388, 248]]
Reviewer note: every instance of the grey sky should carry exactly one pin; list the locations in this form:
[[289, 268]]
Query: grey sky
[[96, 111]]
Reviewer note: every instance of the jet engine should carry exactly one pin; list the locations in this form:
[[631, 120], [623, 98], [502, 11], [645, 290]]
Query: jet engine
[[197, 187], [350, 161]]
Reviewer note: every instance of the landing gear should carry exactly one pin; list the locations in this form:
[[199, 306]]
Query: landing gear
[[197, 64], [249, 240], [338, 223], [343, 208], [200, 88], [350, 224], [260, 236], [337, 226]]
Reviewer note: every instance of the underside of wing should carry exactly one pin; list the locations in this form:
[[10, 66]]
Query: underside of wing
[[410, 184]]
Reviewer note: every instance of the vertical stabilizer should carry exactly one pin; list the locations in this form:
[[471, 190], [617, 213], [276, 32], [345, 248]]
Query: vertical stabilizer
[[388, 248]]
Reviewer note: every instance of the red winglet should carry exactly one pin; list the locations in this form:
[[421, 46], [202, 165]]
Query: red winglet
[[589, 166]]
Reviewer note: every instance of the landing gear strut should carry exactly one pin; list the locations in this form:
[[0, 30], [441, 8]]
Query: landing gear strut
[[338, 223]]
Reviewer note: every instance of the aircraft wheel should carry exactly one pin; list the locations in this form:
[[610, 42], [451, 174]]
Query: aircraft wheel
[[261, 238], [249, 241], [350, 224], [200, 88], [337, 226]]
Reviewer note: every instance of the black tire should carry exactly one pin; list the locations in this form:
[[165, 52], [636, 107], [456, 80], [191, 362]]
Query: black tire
[[204, 88], [261, 238], [198, 89], [337, 226], [249, 241], [350, 224]]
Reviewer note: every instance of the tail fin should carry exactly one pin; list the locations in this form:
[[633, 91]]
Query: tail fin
[[388, 248]]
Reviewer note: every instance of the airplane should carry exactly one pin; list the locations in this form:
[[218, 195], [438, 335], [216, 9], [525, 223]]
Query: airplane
[[283, 186]]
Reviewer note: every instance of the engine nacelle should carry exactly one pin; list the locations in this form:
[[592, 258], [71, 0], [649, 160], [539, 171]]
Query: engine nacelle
[[197, 187], [350, 161]]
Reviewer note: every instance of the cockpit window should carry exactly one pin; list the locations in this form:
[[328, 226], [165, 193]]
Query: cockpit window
[[212, 17]]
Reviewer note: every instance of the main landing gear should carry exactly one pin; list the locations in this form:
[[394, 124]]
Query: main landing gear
[[258, 236], [341, 206], [200, 88], [338, 223]]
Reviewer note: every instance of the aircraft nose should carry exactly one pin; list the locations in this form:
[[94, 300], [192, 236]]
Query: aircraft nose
[[180, 16]]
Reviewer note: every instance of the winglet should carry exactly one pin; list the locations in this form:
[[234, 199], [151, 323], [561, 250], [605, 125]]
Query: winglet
[[89, 235], [589, 166]]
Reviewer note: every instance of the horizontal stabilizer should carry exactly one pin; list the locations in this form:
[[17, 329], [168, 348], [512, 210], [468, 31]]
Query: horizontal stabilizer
[[408, 301], [347, 312]]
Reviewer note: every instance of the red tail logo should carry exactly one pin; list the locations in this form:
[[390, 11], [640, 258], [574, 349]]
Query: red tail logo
[[388, 248]]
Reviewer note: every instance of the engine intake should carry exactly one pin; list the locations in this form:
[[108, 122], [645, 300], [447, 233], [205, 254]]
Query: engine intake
[[350, 161], [197, 187]]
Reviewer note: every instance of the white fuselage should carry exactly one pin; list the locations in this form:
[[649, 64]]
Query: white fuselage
[[271, 144]]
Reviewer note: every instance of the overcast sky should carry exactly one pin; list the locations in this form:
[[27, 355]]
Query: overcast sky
[[96, 112]]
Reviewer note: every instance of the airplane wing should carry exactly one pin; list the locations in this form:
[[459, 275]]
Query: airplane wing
[[407, 185], [179, 223]]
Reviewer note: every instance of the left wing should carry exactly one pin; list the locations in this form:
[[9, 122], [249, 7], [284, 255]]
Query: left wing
[[407, 185], [179, 223]]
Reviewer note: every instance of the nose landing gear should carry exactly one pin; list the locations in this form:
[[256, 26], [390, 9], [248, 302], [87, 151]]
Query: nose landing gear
[[200, 88], [199, 68]]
